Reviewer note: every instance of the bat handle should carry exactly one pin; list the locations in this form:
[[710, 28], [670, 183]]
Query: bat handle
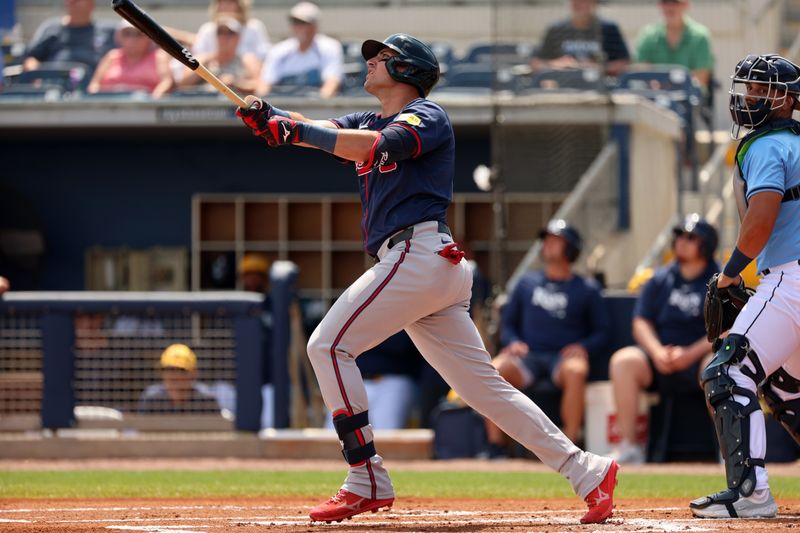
[[204, 73]]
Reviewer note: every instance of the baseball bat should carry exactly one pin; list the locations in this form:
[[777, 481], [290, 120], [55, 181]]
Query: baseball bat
[[145, 24]]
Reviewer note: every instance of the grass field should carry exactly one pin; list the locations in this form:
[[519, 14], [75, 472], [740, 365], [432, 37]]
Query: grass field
[[233, 483]]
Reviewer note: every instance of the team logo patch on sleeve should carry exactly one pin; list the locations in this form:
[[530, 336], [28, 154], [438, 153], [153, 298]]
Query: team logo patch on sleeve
[[411, 118]]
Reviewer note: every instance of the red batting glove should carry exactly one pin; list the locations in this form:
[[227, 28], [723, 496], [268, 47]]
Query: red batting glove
[[281, 130], [256, 116]]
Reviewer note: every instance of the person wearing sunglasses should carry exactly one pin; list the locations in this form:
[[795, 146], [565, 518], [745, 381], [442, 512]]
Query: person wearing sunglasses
[[669, 330], [240, 71]]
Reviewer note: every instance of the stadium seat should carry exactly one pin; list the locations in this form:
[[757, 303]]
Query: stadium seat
[[561, 80], [63, 75], [500, 53], [476, 77], [674, 88], [25, 91]]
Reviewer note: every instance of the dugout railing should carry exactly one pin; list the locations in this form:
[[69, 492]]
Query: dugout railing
[[67, 354]]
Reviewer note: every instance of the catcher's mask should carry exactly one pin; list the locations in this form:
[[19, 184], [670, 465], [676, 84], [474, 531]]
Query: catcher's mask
[[560, 228], [693, 224], [780, 78]]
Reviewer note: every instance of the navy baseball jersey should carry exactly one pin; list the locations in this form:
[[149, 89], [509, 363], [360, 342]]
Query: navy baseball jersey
[[548, 315], [397, 193], [675, 305]]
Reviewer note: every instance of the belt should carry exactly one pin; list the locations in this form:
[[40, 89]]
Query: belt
[[767, 271], [407, 233]]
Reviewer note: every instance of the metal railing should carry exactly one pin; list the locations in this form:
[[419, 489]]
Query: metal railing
[[62, 351], [592, 207]]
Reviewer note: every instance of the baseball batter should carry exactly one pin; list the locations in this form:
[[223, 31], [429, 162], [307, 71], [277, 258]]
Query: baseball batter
[[762, 352], [404, 159]]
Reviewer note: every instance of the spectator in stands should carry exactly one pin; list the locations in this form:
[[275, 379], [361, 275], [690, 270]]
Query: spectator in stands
[[137, 65], [669, 330], [254, 277], [74, 38], [677, 40], [5, 286], [238, 71], [583, 40], [178, 392], [308, 59], [551, 325], [254, 37]]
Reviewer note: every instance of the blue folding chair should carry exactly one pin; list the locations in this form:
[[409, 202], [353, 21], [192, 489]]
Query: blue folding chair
[[674, 88], [561, 80], [500, 53]]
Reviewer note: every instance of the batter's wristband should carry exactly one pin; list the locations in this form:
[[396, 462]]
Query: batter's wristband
[[737, 262], [317, 136], [279, 112]]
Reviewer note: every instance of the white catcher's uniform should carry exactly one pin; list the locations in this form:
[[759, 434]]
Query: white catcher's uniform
[[771, 318]]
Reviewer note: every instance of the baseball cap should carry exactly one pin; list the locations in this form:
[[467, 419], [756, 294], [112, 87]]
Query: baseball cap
[[254, 263], [227, 21], [305, 12], [179, 356]]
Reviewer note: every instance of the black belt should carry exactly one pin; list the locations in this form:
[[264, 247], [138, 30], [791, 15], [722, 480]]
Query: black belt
[[767, 271], [407, 233], [791, 194]]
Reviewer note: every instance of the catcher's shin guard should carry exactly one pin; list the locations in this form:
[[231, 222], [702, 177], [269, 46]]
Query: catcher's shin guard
[[354, 447], [731, 418], [773, 390]]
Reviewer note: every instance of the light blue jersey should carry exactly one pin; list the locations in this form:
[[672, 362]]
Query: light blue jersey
[[772, 163]]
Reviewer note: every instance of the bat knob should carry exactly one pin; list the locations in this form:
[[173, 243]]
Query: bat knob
[[253, 101]]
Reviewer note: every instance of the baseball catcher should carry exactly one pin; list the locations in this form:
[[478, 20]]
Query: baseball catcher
[[761, 354]]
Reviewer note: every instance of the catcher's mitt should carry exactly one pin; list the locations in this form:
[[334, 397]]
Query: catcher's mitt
[[722, 306]]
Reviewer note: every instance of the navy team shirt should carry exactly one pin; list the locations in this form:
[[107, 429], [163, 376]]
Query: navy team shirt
[[403, 193], [547, 315], [675, 305]]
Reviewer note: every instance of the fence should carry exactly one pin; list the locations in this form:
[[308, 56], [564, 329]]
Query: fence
[[101, 350]]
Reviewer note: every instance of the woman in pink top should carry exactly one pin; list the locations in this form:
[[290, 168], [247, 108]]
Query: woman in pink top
[[137, 65]]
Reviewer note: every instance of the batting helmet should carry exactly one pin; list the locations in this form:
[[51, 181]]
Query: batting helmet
[[782, 78], [421, 69], [695, 225], [560, 228]]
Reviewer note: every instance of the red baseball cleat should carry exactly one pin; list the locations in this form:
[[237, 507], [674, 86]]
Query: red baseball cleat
[[601, 499], [345, 504]]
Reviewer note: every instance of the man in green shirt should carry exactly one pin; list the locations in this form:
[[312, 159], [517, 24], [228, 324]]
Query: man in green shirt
[[678, 40]]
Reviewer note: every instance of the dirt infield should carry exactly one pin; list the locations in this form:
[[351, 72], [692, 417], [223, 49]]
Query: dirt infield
[[409, 514]]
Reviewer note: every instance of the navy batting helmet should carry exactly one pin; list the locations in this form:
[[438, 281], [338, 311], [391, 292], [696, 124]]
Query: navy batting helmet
[[782, 78], [695, 225], [560, 228], [421, 69]]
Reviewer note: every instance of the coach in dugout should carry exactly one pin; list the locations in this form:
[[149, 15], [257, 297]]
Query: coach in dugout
[[553, 322], [178, 392], [669, 330]]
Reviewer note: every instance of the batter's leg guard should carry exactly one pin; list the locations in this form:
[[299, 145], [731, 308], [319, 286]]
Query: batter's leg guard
[[773, 390], [354, 449], [732, 423]]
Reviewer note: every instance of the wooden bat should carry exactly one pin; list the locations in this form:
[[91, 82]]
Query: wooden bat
[[144, 23]]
